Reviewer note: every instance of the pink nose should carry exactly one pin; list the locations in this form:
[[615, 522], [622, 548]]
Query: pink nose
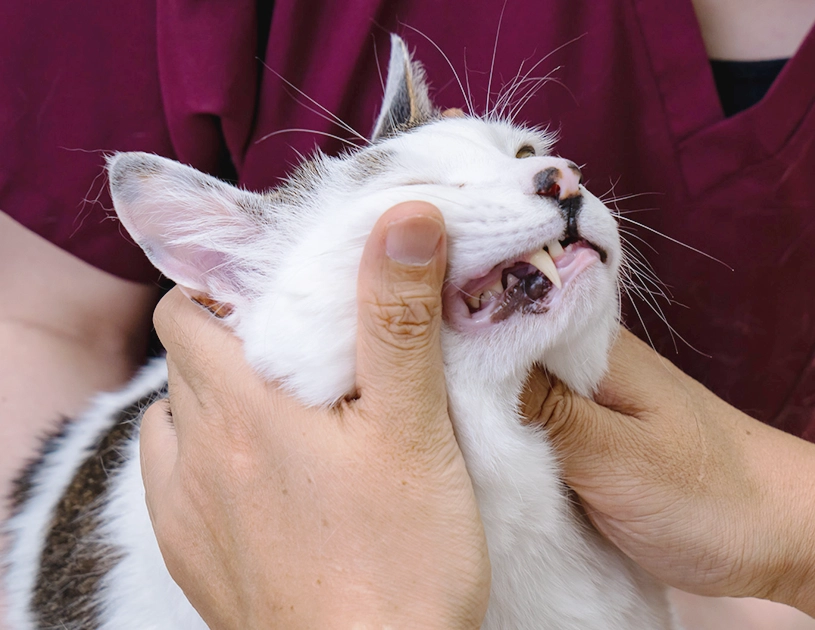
[[560, 181]]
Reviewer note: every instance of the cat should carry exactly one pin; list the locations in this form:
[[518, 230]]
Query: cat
[[532, 278]]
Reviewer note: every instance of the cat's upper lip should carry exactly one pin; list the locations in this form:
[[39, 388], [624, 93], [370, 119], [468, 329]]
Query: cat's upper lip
[[528, 283]]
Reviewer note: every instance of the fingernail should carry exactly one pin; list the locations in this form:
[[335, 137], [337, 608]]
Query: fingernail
[[413, 240]]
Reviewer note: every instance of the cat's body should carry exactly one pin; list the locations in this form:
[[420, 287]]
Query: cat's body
[[287, 264]]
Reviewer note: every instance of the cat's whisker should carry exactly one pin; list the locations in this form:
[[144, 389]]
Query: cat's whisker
[[517, 109], [632, 301], [469, 96], [610, 191], [634, 258], [545, 57], [649, 298], [519, 81], [332, 116], [536, 83], [623, 232], [513, 87], [449, 63], [618, 213], [673, 240], [487, 112], [635, 275], [673, 332], [314, 131], [528, 93], [328, 119], [508, 91], [614, 200]]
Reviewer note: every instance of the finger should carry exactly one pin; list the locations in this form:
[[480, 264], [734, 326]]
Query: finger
[[209, 377], [586, 435], [158, 450], [629, 384], [197, 340], [400, 282]]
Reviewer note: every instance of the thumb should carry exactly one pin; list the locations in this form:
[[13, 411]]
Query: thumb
[[399, 359], [158, 449], [586, 435]]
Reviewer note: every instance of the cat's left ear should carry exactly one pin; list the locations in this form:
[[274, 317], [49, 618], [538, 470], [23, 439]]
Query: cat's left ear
[[406, 102], [200, 232]]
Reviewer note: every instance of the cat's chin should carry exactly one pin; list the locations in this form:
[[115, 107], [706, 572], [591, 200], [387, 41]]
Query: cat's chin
[[532, 284]]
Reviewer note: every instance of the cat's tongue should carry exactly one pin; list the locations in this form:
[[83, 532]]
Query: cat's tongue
[[529, 286]]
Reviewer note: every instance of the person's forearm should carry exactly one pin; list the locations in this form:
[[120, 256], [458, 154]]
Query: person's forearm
[[67, 330], [785, 466]]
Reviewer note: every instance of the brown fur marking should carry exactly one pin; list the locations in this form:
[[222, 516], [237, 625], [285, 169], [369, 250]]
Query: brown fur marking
[[74, 560], [23, 484]]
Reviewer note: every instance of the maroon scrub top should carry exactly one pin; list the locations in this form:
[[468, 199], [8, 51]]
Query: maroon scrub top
[[634, 100]]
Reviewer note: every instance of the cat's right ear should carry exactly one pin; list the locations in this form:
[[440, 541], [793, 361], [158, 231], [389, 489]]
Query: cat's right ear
[[198, 231], [406, 103]]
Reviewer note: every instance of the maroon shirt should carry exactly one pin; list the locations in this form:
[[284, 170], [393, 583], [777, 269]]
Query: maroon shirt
[[634, 100]]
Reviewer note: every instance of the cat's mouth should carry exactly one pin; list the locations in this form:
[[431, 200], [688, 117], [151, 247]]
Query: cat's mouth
[[528, 284]]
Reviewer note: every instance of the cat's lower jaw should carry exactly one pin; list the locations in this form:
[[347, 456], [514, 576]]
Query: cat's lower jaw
[[550, 569]]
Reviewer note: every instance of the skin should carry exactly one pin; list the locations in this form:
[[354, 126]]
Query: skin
[[357, 516], [81, 330], [752, 30], [702, 496], [67, 331]]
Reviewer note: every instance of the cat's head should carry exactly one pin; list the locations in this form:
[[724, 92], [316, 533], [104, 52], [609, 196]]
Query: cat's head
[[533, 256]]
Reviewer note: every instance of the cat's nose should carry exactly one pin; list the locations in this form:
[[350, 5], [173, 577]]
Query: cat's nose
[[560, 181]]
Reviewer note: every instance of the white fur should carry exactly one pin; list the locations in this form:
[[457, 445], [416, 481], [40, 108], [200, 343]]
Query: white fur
[[299, 264], [28, 528]]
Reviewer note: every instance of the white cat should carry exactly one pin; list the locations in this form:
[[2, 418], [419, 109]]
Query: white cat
[[532, 277]]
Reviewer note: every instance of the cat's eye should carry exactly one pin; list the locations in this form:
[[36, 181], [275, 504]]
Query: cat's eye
[[525, 152]]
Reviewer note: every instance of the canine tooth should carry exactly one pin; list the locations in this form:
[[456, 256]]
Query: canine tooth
[[543, 261], [496, 288], [512, 280], [555, 248]]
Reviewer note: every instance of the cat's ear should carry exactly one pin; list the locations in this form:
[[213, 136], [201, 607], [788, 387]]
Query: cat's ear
[[199, 231], [406, 103]]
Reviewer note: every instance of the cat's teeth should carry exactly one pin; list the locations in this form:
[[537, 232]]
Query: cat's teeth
[[555, 248], [491, 293], [544, 263], [496, 288], [473, 301]]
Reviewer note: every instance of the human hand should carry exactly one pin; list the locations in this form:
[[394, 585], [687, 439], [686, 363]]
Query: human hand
[[702, 496], [269, 514]]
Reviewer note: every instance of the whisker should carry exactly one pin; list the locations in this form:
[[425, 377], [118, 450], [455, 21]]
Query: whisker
[[627, 197], [333, 117], [673, 240], [639, 238], [537, 83], [545, 57], [487, 112], [469, 96], [449, 63], [319, 133]]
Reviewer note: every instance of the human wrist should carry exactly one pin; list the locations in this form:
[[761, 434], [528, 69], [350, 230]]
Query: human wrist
[[430, 600], [782, 566], [354, 611]]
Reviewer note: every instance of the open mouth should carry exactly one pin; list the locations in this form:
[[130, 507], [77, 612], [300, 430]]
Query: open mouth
[[528, 284]]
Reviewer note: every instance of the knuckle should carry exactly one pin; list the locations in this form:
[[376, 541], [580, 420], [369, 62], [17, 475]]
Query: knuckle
[[555, 408], [407, 318]]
